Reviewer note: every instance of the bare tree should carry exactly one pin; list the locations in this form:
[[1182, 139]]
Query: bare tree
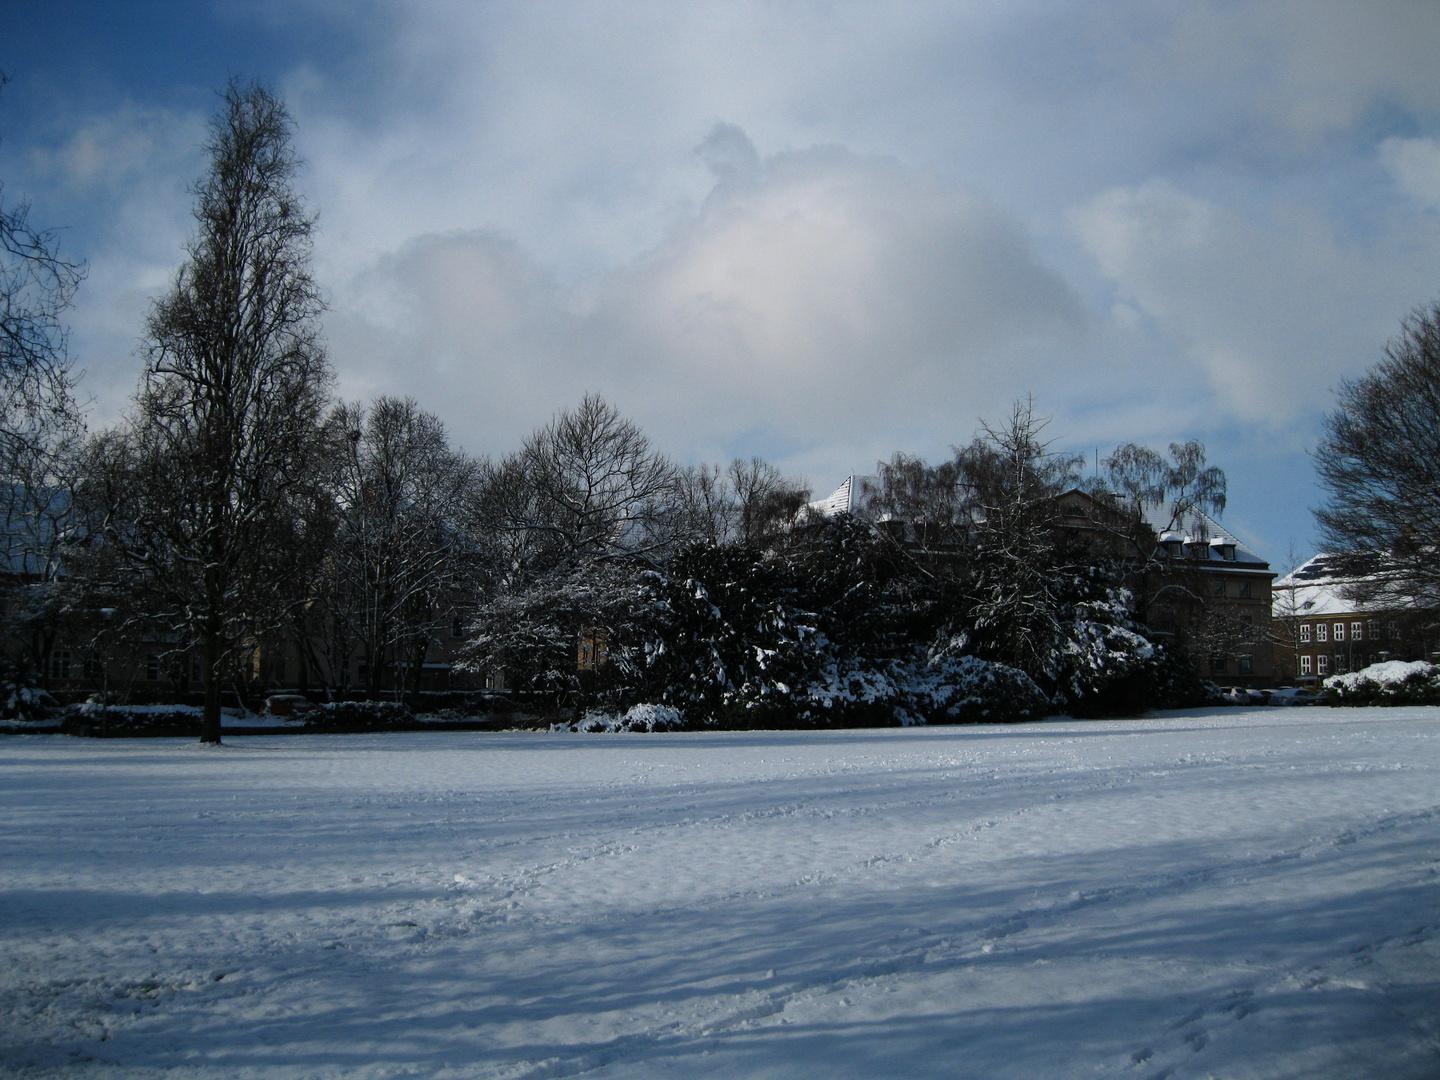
[[928, 503], [767, 502], [1018, 598], [40, 525], [588, 486], [37, 285], [40, 424], [706, 507], [212, 478], [404, 554], [1379, 458], [1143, 479]]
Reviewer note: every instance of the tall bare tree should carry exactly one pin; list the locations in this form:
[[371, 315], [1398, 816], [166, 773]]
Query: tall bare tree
[[40, 423], [587, 486], [748, 502], [1011, 477], [1380, 461], [209, 477], [1143, 479], [37, 285], [405, 552]]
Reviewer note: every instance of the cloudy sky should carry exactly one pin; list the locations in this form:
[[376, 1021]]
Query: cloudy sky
[[817, 232]]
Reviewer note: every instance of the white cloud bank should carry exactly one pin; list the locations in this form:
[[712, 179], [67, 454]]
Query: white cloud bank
[[816, 296], [1166, 220]]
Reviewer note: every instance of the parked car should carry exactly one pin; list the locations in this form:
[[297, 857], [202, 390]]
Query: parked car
[[1235, 695], [1258, 697], [287, 705], [1293, 695]]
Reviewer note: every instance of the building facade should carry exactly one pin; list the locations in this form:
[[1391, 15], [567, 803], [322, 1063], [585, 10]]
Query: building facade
[[1329, 622]]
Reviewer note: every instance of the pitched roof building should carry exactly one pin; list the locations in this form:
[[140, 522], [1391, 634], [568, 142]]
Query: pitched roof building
[[1328, 620]]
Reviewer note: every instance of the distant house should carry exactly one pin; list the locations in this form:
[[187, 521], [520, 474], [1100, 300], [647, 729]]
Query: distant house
[[1328, 622], [1195, 581]]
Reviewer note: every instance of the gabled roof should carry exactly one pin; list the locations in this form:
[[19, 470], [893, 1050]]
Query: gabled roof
[[848, 498], [1320, 587], [1203, 536]]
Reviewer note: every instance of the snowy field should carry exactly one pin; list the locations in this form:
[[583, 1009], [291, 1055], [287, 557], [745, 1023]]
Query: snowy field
[[1225, 893]]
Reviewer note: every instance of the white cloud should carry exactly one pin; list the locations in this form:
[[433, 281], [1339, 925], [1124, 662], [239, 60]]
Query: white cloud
[[815, 301], [1415, 165], [1269, 304], [115, 149], [1164, 218]]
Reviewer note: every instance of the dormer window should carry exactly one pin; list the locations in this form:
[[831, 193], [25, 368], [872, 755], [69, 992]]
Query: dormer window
[[1223, 548], [1172, 544]]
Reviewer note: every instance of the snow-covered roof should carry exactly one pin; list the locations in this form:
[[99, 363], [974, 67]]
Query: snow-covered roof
[[1320, 586], [1203, 537], [848, 498]]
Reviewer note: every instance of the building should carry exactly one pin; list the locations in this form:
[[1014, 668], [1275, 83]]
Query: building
[[1195, 581], [1328, 622]]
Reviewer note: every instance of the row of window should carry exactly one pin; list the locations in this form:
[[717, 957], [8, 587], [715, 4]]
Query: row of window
[[1359, 631], [1243, 589], [1244, 665], [1321, 665]]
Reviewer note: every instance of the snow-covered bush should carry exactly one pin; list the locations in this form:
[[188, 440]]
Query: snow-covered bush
[[95, 719], [836, 626], [24, 702], [968, 690], [1394, 682], [358, 716], [642, 717]]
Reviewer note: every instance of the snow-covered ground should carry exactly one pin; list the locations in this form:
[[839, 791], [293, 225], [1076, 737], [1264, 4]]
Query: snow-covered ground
[[1226, 893]]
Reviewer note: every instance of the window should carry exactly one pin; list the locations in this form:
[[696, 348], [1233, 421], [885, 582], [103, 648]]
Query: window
[[1217, 665], [1217, 588], [1370, 629], [1357, 631], [1340, 665], [94, 669], [1339, 631], [1245, 589], [1322, 665], [60, 664], [1247, 665], [1321, 632], [1305, 666], [457, 628], [152, 667], [1305, 633]]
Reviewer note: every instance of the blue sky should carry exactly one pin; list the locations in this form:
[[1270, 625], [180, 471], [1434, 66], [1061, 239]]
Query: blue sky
[[819, 232]]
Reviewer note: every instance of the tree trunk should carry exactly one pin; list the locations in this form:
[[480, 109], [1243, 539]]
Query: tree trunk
[[210, 712]]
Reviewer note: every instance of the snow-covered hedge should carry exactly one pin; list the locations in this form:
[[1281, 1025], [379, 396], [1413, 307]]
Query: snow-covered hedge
[[94, 719], [968, 690], [342, 716], [1394, 682], [642, 717], [838, 627]]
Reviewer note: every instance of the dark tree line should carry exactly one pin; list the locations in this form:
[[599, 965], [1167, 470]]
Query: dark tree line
[[956, 592]]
